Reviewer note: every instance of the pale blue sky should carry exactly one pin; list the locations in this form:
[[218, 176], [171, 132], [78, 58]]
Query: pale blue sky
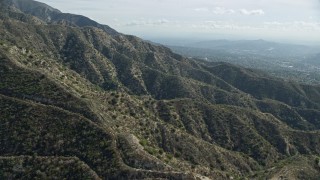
[[289, 20]]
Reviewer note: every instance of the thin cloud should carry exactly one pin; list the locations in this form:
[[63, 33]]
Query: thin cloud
[[201, 9], [295, 25], [265, 26], [275, 26], [147, 22], [254, 12], [223, 11], [222, 25], [227, 11]]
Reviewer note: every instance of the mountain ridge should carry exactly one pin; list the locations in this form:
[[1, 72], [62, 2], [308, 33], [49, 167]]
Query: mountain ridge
[[53, 16]]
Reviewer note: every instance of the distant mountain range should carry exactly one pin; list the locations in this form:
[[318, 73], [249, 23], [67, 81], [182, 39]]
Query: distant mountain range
[[78, 100], [256, 47]]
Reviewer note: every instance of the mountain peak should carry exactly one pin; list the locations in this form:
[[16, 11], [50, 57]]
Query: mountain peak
[[30, 6], [54, 16]]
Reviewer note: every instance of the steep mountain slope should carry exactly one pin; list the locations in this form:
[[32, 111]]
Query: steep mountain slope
[[116, 107], [264, 87]]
